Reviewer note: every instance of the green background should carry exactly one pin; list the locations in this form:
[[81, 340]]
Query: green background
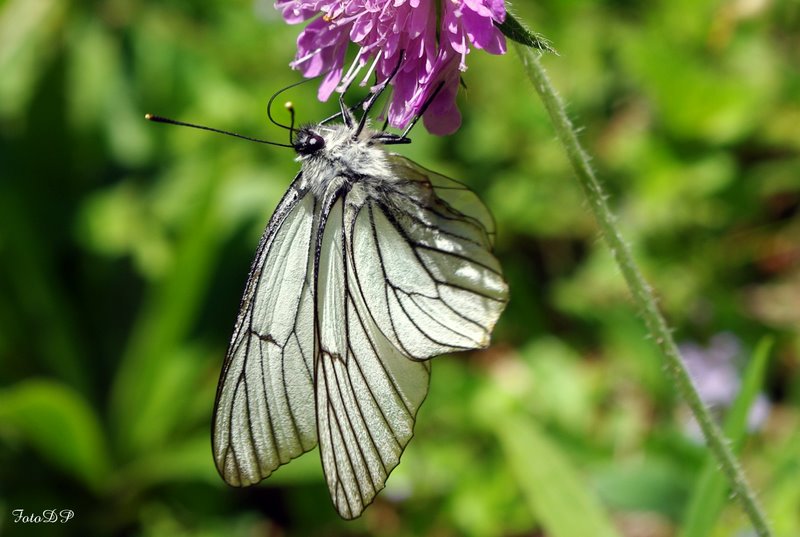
[[124, 248]]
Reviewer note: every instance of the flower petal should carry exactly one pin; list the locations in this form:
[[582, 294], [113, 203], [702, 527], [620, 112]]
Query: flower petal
[[435, 43]]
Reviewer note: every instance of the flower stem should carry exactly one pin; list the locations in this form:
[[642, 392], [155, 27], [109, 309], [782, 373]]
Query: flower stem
[[642, 294]]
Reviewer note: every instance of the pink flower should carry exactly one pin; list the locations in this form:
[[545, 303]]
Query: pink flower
[[434, 35]]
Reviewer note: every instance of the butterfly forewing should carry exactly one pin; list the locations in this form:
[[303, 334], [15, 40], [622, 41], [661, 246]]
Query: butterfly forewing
[[264, 414]]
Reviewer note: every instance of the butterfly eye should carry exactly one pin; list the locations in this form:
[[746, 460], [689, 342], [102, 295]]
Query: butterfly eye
[[308, 142]]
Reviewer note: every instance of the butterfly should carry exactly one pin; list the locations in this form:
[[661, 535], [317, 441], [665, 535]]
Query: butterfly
[[370, 266]]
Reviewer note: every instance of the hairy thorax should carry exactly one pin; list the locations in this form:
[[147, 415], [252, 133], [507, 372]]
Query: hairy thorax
[[344, 161]]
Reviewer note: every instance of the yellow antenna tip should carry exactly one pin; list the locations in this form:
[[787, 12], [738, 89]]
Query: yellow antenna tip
[[148, 116], [288, 105]]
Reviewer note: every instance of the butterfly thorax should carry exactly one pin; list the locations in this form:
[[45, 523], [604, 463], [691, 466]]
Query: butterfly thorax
[[332, 157]]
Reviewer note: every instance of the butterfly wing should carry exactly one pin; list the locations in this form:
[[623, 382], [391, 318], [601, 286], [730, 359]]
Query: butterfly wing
[[423, 264], [460, 203], [398, 278], [405, 273], [264, 412], [368, 392]]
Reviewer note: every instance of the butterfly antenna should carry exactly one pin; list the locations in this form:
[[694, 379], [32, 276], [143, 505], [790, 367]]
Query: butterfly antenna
[[275, 95], [168, 121], [290, 107]]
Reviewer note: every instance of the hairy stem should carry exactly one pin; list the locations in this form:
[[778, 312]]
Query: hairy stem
[[642, 294]]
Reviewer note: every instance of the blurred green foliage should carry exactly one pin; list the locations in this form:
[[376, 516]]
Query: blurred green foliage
[[124, 248]]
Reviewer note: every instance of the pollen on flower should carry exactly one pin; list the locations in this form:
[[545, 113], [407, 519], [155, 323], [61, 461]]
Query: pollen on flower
[[430, 38]]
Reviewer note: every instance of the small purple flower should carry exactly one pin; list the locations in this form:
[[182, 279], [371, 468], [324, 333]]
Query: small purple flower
[[716, 377], [434, 35]]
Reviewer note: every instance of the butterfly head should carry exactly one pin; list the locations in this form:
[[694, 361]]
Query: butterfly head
[[308, 142]]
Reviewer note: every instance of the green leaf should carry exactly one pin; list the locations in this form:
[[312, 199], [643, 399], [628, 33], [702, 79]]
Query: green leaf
[[154, 372], [555, 493], [191, 460], [516, 31], [58, 422], [29, 38], [187, 460], [557, 496], [711, 490]]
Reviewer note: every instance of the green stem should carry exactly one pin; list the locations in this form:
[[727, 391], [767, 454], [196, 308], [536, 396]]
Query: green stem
[[642, 294]]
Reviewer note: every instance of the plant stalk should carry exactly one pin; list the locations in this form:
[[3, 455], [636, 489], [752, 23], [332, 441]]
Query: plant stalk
[[642, 294]]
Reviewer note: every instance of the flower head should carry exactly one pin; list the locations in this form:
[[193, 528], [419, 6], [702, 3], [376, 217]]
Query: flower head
[[429, 38], [717, 379]]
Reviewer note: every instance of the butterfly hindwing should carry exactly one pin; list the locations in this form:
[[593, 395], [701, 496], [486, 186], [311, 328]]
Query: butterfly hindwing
[[458, 204], [423, 261]]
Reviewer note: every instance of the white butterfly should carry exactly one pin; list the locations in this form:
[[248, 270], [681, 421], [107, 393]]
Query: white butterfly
[[369, 266]]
